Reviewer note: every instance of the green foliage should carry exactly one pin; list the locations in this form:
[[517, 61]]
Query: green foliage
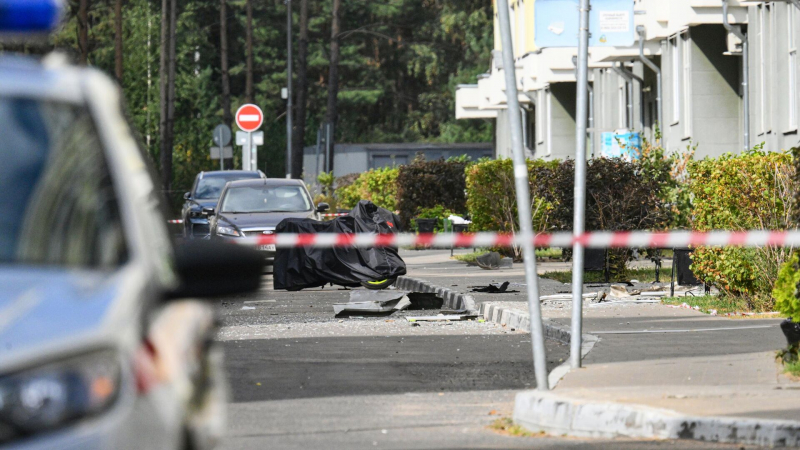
[[739, 192], [429, 184], [401, 61], [438, 212], [722, 304], [621, 196], [491, 195], [378, 186], [786, 294]]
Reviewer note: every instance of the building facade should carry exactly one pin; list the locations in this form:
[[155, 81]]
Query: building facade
[[700, 57]]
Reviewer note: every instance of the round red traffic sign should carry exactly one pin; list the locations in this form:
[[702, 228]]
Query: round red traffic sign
[[249, 118]]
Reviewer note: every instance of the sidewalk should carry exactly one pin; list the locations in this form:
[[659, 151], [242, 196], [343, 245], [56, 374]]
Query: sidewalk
[[654, 372]]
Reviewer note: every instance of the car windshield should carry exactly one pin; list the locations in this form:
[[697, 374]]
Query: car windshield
[[264, 199], [59, 205], [209, 187]]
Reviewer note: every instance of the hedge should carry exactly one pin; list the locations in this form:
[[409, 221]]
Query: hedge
[[753, 190], [377, 185], [621, 196], [424, 184]]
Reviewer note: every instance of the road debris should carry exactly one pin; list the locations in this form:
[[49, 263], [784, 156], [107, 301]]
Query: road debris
[[372, 303], [442, 318], [424, 300], [493, 289], [494, 261]]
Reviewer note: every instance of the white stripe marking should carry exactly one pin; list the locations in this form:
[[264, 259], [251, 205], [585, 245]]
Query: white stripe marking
[[249, 118]]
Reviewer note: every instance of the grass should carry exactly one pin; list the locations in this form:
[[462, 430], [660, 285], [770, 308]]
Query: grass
[[643, 275], [507, 426], [541, 253], [792, 368], [721, 303]]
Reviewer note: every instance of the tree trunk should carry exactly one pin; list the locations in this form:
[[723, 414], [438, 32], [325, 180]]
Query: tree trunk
[[227, 115], [168, 92], [331, 114], [118, 40], [302, 93], [163, 81], [248, 89], [83, 31]]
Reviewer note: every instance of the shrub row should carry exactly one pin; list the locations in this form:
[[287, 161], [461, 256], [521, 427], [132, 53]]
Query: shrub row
[[753, 190]]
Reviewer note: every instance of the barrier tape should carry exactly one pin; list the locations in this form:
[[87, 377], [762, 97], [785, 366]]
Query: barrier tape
[[600, 239], [175, 221], [335, 214]]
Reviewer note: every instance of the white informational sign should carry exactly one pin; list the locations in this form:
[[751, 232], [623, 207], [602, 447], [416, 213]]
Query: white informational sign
[[614, 21]]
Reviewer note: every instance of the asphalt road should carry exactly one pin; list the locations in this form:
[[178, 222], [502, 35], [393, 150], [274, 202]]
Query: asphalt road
[[302, 379]]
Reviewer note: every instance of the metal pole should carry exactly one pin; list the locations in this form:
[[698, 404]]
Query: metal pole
[[737, 30], [328, 149], [591, 120], [221, 152], [580, 185], [250, 164], [523, 199], [652, 66], [289, 104], [319, 142]]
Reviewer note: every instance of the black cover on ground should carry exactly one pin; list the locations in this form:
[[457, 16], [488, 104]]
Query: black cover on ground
[[301, 268]]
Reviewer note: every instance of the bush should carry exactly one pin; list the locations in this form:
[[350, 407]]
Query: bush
[[427, 184], [440, 213], [621, 196], [378, 186], [753, 190]]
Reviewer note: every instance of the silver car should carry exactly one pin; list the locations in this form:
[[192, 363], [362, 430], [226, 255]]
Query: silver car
[[102, 342]]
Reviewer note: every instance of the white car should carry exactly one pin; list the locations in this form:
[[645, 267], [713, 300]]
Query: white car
[[103, 343]]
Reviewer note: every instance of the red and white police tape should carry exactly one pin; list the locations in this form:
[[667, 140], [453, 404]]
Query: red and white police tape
[[335, 214], [599, 239], [178, 221]]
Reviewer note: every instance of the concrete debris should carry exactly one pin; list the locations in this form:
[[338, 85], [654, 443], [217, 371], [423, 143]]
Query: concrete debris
[[442, 318], [372, 303], [493, 289], [618, 291], [428, 300], [494, 261]]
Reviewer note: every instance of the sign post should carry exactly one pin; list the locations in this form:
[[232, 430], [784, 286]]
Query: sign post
[[222, 137], [566, 23], [249, 118], [523, 200]]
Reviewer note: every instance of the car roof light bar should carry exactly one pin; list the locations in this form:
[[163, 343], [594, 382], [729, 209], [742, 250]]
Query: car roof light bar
[[29, 17]]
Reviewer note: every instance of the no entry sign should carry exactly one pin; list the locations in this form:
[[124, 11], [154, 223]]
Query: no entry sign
[[249, 118]]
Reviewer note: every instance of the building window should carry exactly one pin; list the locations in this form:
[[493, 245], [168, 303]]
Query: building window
[[676, 79], [792, 78], [686, 100]]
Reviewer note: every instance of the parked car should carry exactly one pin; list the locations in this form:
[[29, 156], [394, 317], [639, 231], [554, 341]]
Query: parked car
[[256, 207], [205, 193], [104, 344]]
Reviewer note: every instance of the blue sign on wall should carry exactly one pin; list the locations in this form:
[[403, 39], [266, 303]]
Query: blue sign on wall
[[621, 145], [610, 23]]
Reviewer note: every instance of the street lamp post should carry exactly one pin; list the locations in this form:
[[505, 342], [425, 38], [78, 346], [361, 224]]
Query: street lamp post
[[289, 105]]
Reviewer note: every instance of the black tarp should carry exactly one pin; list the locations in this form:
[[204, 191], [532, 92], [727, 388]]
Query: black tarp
[[307, 267]]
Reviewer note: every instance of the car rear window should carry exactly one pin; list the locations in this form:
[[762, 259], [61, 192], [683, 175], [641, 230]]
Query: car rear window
[[210, 187], [57, 198]]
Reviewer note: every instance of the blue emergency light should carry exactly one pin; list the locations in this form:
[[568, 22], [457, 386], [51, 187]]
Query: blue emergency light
[[20, 17]]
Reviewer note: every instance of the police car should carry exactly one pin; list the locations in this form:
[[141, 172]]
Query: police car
[[103, 343]]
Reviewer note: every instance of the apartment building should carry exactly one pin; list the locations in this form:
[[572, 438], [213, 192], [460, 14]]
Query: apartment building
[[694, 47]]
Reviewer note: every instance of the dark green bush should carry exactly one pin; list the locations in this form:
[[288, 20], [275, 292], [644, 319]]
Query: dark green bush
[[428, 184]]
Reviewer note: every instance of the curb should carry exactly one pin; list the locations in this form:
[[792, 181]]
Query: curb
[[520, 320], [561, 415], [452, 299]]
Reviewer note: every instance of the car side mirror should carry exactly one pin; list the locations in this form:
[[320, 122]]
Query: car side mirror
[[209, 211], [322, 207], [187, 196], [209, 269]]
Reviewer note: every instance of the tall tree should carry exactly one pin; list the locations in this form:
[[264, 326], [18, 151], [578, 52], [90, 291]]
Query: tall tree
[[302, 93], [333, 75], [83, 31], [248, 89], [227, 115], [167, 74], [118, 40]]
